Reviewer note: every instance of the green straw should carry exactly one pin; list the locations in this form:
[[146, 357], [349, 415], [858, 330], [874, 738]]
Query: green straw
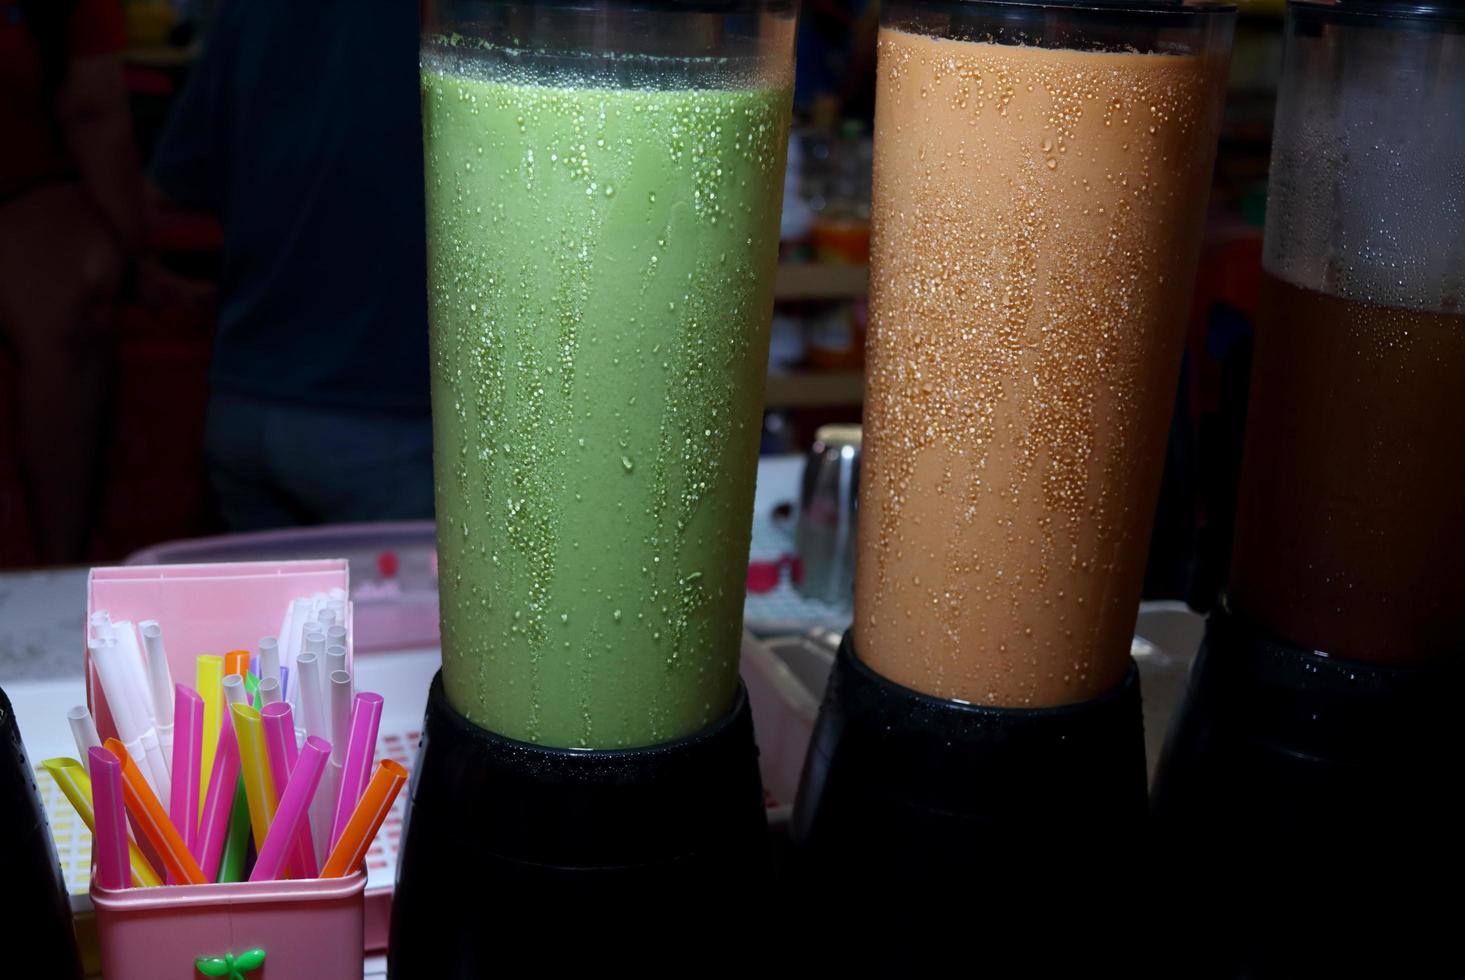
[[236, 844], [251, 688]]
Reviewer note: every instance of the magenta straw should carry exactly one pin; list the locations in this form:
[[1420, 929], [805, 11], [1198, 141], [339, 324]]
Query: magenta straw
[[290, 814], [218, 802], [366, 716], [109, 815], [279, 727], [187, 763]]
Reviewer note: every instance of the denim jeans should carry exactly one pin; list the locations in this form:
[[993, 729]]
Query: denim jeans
[[277, 465]]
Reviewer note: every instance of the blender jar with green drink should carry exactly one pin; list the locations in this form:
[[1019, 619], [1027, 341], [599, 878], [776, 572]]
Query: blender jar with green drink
[[603, 187], [603, 192]]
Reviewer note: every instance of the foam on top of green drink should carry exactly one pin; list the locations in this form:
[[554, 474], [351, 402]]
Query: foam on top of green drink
[[600, 285]]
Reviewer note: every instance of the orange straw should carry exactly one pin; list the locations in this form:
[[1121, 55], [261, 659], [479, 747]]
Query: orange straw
[[236, 662], [152, 820], [365, 820]]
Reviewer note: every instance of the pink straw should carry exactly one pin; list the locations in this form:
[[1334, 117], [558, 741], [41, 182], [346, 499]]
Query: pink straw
[[187, 763], [285, 828], [218, 803], [279, 726], [109, 836], [366, 716]]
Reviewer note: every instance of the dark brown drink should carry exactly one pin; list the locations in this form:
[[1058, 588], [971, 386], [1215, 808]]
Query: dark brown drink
[[1351, 514]]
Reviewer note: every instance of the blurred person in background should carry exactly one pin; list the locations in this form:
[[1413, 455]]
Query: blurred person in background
[[835, 68], [299, 129], [71, 225]]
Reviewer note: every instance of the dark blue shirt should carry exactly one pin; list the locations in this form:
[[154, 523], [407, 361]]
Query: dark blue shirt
[[300, 128]]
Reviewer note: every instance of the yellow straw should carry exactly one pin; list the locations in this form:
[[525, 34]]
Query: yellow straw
[[77, 785], [209, 681], [259, 785]]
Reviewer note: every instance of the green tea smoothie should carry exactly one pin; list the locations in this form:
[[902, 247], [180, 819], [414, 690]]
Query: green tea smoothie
[[600, 286]]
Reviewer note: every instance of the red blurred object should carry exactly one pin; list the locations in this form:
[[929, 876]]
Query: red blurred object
[[147, 81], [764, 576], [16, 550], [387, 564], [153, 481]]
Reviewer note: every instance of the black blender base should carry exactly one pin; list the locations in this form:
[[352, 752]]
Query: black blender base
[[1309, 814], [969, 826], [516, 855], [35, 914]]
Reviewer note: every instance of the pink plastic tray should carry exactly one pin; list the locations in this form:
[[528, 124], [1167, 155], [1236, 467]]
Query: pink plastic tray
[[304, 929]]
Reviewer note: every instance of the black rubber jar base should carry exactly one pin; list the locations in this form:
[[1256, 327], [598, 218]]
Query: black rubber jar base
[[516, 854], [995, 822], [1308, 812]]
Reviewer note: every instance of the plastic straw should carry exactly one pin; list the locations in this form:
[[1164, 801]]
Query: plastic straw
[[236, 662], [160, 685], [111, 664], [279, 726], [315, 640], [109, 833], [218, 804], [323, 810], [234, 693], [269, 658], [336, 659], [236, 844], [125, 686], [76, 785], [299, 613], [183, 807], [153, 822], [251, 688], [341, 709], [126, 637], [259, 787], [366, 820], [208, 673], [269, 690], [83, 730], [287, 624], [291, 812], [336, 635], [160, 782], [303, 628], [157, 765], [284, 683], [154, 763], [339, 700], [309, 696], [366, 714]]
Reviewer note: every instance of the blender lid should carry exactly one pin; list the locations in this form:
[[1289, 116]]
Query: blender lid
[[1437, 9], [1180, 6]]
